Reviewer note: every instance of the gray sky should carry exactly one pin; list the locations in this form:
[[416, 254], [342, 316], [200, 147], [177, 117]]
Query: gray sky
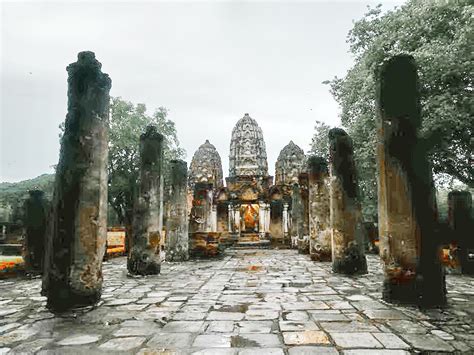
[[207, 62]]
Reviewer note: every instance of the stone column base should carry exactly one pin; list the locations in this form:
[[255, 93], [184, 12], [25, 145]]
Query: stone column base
[[62, 298], [143, 262], [352, 263], [321, 255], [417, 290]]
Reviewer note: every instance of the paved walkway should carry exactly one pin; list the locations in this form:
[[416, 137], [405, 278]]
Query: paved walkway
[[249, 300]]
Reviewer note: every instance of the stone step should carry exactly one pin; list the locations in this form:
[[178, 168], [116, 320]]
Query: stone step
[[260, 244]]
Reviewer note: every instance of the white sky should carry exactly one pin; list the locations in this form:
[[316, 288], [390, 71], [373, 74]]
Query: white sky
[[207, 62]]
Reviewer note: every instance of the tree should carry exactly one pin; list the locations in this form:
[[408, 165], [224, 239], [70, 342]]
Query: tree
[[320, 140], [438, 34], [127, 123]]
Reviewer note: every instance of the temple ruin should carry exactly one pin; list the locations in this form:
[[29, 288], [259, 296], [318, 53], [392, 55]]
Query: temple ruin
[[250, 210]]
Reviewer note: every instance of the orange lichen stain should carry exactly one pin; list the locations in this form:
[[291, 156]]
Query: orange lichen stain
[[255, 268], [154, 239]]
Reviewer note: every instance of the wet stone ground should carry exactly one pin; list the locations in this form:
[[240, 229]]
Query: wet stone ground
[[248, 302]]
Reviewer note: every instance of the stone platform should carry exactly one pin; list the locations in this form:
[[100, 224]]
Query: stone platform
[[246, 302]]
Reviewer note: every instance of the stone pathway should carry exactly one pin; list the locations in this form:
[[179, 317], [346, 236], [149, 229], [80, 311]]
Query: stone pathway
[[277, 300]]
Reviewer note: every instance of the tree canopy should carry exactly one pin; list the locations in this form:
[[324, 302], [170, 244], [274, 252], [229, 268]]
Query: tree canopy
[[438, 34], [127, 123]]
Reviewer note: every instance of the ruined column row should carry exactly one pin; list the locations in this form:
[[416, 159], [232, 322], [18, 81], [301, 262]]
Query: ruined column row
[[324, 203], [335, 218]]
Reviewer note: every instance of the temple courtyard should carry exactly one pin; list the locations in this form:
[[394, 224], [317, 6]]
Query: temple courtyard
[[246, 302]]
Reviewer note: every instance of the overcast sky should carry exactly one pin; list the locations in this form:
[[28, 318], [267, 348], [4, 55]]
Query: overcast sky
[[207, 62]]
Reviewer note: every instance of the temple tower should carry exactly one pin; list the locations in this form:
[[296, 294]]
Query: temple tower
[[289, 164], [248, 182], [206, 167]]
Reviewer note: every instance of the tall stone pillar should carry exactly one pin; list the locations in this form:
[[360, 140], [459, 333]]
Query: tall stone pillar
[[267, 218], [237, 219], [36, 213], [78, 227], [408, 246], [461, 226], [297, 220], [144, 257], [231, 218], [345, 212], [177, 239], [319, 213], [213, 218], [285, 221], [261, 219], [304, 190]]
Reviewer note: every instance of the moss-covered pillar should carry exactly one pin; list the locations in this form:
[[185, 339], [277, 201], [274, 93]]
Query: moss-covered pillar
[[177, 224], [461, 225], [144, 256], [319, 221], [36, 213], [345, 212], [408, 245], [78, 227]]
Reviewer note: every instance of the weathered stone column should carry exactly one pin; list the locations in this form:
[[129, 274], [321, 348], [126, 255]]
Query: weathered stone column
[[144, 256], [319, 214], [261, 219], [36, 213], [286, 221], [177, 225], [78, 226], [345, 213], [304, 191], [297, 211], [461, 225], [408, 246], [213, 223]]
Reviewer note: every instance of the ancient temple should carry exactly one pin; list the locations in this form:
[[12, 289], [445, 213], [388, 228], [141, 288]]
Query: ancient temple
[[250, 209]]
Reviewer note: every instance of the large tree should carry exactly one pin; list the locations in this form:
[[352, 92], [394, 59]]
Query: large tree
[[438, 34], [127, 123]]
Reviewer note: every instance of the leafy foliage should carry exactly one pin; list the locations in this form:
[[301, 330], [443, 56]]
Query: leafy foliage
[[438, 34], [320, 140], [127, 123]]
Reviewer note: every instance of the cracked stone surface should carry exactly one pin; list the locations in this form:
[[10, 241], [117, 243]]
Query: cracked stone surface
[[288, 304]]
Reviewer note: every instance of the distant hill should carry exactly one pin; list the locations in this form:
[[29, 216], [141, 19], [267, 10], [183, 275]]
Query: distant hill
[[13, 193]]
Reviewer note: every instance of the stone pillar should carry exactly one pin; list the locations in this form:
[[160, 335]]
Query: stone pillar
[[267, 218], [345, 212], [297, 220], [231, 218], [261, 219], [36, 213], [177, 238], [461, 226], [78, 227], [408, 246], [237, 219], [304, 190], [319, 213], [213, 218], [285, 220], [144, 257]]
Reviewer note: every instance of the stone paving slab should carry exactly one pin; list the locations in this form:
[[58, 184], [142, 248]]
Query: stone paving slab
[[247, 302]]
